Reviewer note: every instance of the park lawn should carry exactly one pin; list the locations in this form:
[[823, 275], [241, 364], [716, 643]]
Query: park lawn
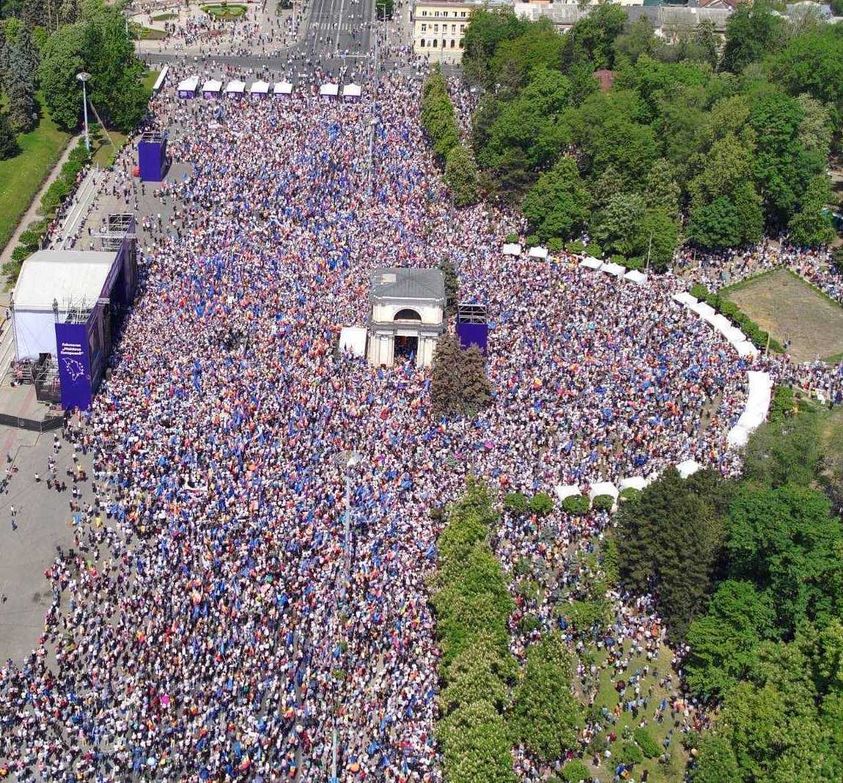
[[105, 153], [607, 697], [164, 17], [224, 12], [22, 176], [789, 308]]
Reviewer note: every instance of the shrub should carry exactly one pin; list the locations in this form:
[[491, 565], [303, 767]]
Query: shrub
[[511, 239], [783, 404], [619, 259], [699, 291], [628, 754], [21, 252], [635, 263], [529, 623], [533, 240], [575, 247], [30, 238], [648, 745], [630, 493], [603, 502], [576, 505], [575, 772], [594, 250], [516, 503], [541, 504]]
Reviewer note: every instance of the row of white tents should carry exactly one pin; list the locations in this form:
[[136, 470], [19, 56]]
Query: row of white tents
[[616, 270], [758, 398], [214, 88], [607, 488]]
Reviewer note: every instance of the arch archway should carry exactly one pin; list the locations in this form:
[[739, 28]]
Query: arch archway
[[407, 314]]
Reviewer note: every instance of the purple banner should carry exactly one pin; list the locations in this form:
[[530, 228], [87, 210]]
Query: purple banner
[[152, 160], [473, 334], [74, 366]]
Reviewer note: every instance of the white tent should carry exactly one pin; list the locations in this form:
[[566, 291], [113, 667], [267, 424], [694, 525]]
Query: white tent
[[259, 88], [634, 276], [603, 488], [235, 87], [758, 396], [632, 482], [688, 468], [330, 90], [704, 310], [737, 437], [353, 340], [684, 298], [282, 88], [351, 90], [159, 82], [566, 491], [212, 87], [512, 249], [734, 335], [187, 87], [745, 348], [538, 252], [591, 263], [721, 324], [616, 270]]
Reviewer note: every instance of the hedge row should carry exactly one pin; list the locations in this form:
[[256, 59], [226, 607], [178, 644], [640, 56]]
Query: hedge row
[[753, 332], [437, 115], [472, 605]]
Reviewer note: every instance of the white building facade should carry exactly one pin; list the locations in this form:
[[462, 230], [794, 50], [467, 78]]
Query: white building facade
[[406, 317]]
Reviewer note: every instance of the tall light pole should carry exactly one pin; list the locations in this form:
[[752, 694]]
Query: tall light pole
[[83, 77]]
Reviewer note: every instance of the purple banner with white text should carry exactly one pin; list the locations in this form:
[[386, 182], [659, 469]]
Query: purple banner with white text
[[74, 366]]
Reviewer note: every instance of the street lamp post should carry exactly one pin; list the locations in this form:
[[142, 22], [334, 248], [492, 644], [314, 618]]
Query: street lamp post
[[83, 77]]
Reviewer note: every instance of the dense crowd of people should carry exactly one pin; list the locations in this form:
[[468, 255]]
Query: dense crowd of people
[[210, 622]]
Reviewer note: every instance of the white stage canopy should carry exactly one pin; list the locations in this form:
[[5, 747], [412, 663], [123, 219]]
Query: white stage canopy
[[538, 252], [591, 263], [684, 298], [282, 88], [235, 87], [352, 90], [188, 85], [259, 88], [512, 249], [330, 89], [160, 80], [603, 488]]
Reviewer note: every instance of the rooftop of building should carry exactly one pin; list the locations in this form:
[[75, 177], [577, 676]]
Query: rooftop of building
[[408, 283], [70, 278]]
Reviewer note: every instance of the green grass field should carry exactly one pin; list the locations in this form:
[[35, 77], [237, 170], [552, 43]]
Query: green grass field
[[164, 17], [787, 307], [224, 12], [22, 176]]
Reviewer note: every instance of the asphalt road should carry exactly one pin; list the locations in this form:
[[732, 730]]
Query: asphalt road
[[338, 35]]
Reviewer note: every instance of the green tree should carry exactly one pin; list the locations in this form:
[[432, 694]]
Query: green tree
[[724, 642], [618, 227], [784, 452], [62, 59], [812, 62], [717, 762], [540, 46], [8, 141], [592, 38], [437, 115], [478, 673], [545, 715], [637, 39], [445, 380], [786, 542], [558, 204], [477, 389], [811, 225], [461, 176], [20, 81], [475, 746], [452, 285], [752, 31], [487, 29], [671, 539], [717, 225], [657, 238], [661, 190]]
